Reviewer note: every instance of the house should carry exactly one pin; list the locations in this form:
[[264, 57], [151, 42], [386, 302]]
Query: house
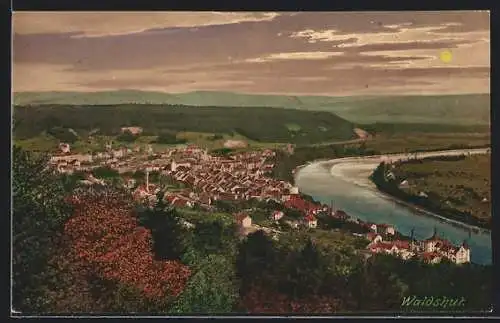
[[129, 182], [390, 176], [434, 243], [404, 184], [310, 221], [431, 257], [340, 214], [423, 194], [293, 224], [181, 202], [64, 147], [373, 237], [140, 193], [276, 215], [243, 220], [462, 255], [396, 248], [386, 229], [132, 130], [370, 226]]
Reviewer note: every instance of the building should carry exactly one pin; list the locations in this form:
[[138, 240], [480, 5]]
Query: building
[[431, 257], [462, 254], [277, 215], [434, 243], [132, 130], [65, 148], [373, 237], [310, 221], [243, 220], [385, 229], [404, 184], [293, 224], [442, 247]]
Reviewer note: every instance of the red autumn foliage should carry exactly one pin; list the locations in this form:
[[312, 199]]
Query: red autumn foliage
[[261, 300], [106, 240]]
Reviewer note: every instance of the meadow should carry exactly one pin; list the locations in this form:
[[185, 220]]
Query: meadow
[[461, 185]]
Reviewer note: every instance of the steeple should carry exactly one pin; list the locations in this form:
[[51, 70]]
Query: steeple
[[465, 244]]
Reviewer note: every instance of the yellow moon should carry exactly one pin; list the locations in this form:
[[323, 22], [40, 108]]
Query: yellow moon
[[445, 56]]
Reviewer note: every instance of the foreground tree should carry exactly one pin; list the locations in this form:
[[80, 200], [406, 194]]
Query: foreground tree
[[39, 211], [212, 289], [168, 234]]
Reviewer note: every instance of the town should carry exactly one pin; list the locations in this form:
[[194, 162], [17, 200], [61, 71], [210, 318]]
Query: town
[[243, 176]]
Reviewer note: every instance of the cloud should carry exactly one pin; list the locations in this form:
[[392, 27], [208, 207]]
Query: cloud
[[336, 53], [294, 56], [100, 24], [400, 35]]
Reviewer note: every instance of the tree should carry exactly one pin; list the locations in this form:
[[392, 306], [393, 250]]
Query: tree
[[169, 236], [167, 137], [106, 242], [39, 212], [214, 237], [127, 136], [256, 258], [225, 206], [212, 289], [63, 134], [105, 172]]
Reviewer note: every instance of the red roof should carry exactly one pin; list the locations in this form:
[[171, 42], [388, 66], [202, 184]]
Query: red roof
[[381, 245], [310, 218], [170, 198], [402, 244], [179, 202], [430, 255]]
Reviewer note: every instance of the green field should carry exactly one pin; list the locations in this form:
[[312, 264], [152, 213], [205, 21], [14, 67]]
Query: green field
[[467, 109], [459, 185]]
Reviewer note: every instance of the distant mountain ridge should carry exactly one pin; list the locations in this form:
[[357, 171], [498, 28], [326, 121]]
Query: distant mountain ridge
[[453, 109], [196, 98]]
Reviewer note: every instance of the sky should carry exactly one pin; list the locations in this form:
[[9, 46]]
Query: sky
[[307, 53]]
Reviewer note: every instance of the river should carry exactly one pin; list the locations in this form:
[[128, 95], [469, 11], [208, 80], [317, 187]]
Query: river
[[345, 182]]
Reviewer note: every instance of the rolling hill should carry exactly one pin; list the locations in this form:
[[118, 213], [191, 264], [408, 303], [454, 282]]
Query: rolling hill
[[260, 124], [468, 109]]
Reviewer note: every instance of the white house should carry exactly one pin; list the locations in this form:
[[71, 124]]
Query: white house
[[65, 148], [277, 215], [463, 254], [311, 221], [404, 184]]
